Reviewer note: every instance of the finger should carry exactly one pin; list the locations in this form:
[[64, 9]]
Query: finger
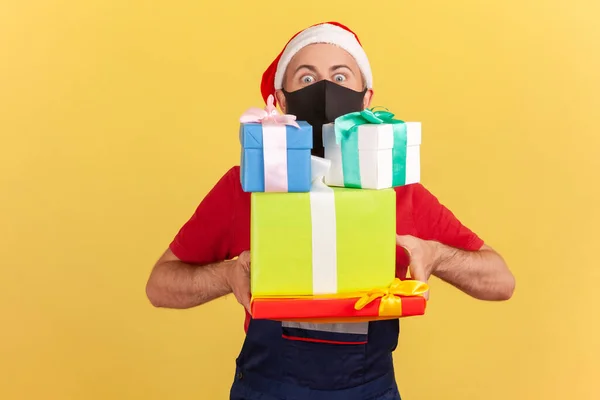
[[246, 300], [417, 273], [243, 301]]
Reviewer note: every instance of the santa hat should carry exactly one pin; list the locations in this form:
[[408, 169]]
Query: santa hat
[[328, 32]]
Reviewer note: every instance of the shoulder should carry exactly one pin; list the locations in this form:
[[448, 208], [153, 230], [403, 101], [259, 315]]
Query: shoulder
[[415, 199], [415, 194], [225, 191], [229, 181], [231, 192], [233, 175]]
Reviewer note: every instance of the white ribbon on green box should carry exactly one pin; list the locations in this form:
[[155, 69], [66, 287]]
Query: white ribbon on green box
[[327, 241], [322, 214]]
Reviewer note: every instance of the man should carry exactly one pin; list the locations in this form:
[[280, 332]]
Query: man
[[322, 73]]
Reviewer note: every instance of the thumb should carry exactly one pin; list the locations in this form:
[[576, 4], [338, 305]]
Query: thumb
[[417, 273], [406, 242]]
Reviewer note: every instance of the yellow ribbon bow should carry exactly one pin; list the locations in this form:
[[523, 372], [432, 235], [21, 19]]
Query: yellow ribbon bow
[[391, 303]]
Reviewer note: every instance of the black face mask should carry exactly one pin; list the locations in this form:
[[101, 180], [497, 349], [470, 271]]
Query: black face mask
[[321, 103]]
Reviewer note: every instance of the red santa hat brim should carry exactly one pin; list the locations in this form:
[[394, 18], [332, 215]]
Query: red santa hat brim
[[328, 32]]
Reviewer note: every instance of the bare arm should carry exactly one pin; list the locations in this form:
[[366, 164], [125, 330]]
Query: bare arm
[[175, 284], [481, 274]]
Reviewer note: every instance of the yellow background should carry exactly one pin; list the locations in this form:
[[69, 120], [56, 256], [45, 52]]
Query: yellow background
[[116, 117]]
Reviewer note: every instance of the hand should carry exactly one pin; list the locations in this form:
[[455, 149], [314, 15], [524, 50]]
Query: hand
[[239, 279], [422, 255]]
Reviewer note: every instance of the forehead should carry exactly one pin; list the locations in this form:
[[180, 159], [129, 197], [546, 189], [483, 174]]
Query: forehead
[[323, 56]]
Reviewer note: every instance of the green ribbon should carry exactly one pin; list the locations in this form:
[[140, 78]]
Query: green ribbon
[[346, 134]]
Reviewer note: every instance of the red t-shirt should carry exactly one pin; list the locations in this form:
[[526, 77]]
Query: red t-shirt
[[219, 229]]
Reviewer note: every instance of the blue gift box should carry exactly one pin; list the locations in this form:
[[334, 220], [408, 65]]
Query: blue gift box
[[299, 143]]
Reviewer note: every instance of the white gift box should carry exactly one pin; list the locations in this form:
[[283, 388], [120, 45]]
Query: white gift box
[[375, 154]]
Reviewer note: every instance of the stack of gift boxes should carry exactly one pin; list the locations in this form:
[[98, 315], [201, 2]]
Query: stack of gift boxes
[[323, 230]]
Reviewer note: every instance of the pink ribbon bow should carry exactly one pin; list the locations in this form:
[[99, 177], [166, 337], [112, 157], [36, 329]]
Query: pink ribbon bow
[[268, 115]]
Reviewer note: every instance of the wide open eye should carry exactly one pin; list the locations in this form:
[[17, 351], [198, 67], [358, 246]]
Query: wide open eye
[[339, 78], [307, 79]]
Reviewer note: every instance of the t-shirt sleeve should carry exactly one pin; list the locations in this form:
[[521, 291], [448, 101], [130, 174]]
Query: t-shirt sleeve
[[433, 221], [206, 237]]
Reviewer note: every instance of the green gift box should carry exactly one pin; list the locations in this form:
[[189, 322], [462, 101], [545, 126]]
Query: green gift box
[[326, 241]]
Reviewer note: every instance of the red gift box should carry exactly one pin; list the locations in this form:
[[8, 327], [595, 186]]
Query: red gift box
[[340, 309]]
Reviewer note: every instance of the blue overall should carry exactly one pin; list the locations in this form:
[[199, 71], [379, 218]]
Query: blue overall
[[293, 361]]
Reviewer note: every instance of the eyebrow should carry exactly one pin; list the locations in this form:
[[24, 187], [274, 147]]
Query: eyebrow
[[311, 68], [336, 67]]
